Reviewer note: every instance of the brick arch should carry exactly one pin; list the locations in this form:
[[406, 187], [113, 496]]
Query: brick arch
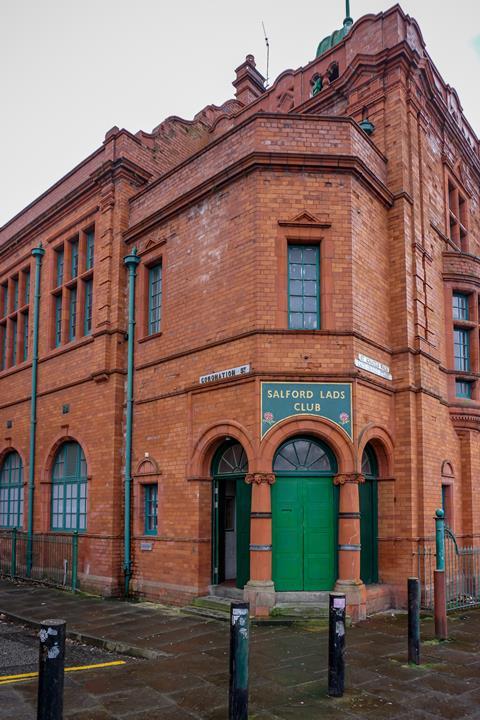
[[320, 428], [382, 443], [147, 466], [448, 471], [210, 441], [58, 441], [12, 448]]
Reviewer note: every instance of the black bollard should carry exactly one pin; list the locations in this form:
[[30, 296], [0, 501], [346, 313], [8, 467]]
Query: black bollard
[[239, 639], [50, 670], [414, 621], [336, 645]]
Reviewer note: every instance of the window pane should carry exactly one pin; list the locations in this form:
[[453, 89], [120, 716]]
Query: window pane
[[463, 389], [74, 258], [90, 249], [154, 299], [59, 278], [58, 320], [304, 264], [69, 489], [462, 349], [72, 322], [460, 306]]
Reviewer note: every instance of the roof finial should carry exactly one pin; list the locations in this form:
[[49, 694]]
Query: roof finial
[[348, 19]]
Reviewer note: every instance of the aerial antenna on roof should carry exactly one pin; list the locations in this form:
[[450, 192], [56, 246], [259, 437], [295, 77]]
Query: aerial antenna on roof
[[268, 51]]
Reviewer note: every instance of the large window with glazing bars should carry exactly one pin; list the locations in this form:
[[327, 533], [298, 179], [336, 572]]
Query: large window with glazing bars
[[11, 491], [303, 287], [69, 489], [154, 299], [14, 318], [72, 294]]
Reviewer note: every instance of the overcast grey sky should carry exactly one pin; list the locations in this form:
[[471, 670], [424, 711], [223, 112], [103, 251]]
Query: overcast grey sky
[[70, 70]]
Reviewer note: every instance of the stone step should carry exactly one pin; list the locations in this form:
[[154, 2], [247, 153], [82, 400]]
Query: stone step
[[205, 613], [212, 602], [300, 610]]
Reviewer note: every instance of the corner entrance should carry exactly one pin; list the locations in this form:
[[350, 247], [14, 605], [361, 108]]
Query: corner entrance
[[304, 512], [231, 517]]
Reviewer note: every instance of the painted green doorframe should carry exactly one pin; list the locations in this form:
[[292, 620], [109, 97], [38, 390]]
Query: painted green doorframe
[[38, 254], [131, 261]]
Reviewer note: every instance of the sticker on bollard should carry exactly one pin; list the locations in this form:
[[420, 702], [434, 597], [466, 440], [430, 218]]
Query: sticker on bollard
[[239, 643], [336, 644], [51, 667]]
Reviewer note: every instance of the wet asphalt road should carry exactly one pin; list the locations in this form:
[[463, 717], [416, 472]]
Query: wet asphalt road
[[19, 651]]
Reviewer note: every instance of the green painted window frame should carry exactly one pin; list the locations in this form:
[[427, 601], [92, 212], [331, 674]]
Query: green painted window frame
[[14, 340], [74, 258], [25, 335], [300, 279], [58, 320], [72, 318], [304, 471], [68, 507], [88, 307], [26, 287], [15, 293], [464, 389], [461, 342], [11, 491], [151, 508], [90, 249], [155, 299], [460, 309], [60, 267]]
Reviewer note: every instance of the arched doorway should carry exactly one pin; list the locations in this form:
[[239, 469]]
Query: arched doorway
[[369, 517], [304, 513], [69, 489], [231, 516]]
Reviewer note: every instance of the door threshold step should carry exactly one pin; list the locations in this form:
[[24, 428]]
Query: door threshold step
[[300, 610], [212, 602], [206, 613]]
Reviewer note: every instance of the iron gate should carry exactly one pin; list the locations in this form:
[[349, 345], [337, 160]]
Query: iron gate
[[462, 572]]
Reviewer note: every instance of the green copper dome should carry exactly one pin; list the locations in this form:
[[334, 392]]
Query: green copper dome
[[337, 36]]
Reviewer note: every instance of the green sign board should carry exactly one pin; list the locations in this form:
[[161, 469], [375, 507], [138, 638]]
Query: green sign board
[[282, 400]]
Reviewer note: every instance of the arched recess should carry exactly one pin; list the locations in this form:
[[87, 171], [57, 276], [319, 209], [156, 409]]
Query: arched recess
[[306, 425], [377, 496], [448, 482], [231, 505], [205, 447], [304, 515], [369, 516], [382, 443]]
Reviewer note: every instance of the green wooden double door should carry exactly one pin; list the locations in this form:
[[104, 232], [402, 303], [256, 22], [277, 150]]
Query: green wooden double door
[[304, 512]]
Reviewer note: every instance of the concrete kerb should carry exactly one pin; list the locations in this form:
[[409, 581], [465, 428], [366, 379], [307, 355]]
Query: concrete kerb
[[118, 646]]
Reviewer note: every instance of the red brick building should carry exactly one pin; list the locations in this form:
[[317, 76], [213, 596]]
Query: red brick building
[[306, 356]]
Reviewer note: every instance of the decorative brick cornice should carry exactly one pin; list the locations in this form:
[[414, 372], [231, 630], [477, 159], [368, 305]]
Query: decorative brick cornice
[[259, 478], [343, 478]]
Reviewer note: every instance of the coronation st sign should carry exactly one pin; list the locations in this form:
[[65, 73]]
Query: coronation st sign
[[281, 400]]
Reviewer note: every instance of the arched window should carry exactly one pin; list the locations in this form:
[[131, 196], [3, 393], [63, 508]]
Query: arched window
[[303, 455], [231, 461], [69, 488], [11, 491]]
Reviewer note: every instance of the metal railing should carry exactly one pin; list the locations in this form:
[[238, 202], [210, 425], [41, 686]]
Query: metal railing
[[54, 557], [462, 572]]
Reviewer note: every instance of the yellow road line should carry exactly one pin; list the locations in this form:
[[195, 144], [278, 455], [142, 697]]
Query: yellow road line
[[6, 679]]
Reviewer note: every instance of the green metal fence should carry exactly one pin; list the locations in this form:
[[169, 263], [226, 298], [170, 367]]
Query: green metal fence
[[54, 557], [462, 572]]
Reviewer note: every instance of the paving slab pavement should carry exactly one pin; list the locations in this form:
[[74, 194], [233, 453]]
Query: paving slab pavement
[[188, 676]]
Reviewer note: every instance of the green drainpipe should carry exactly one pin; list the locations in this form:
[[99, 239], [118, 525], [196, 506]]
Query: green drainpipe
[[131, 261], [38, 254]]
